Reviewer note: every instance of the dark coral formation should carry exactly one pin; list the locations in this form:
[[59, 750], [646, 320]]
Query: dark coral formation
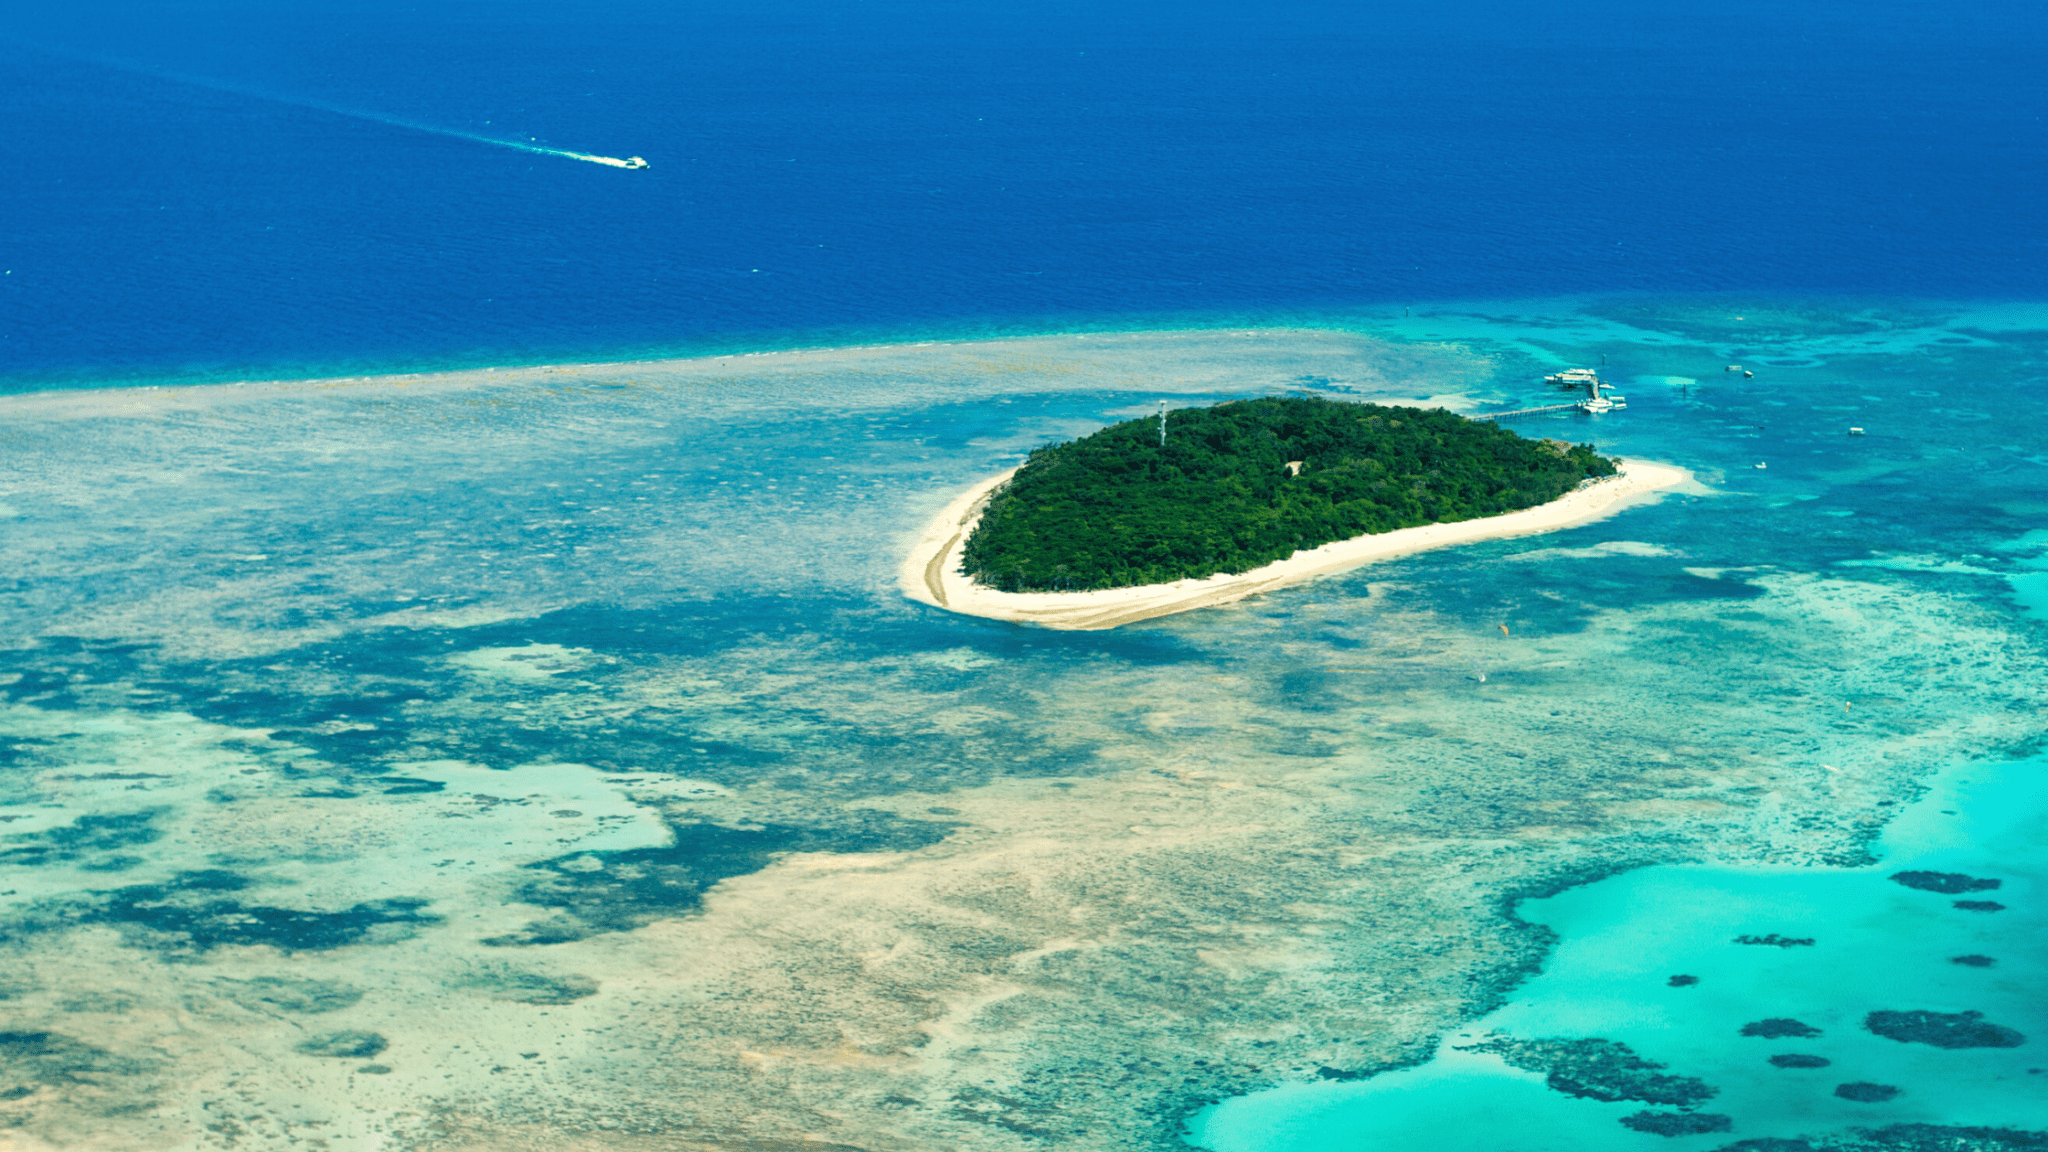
[[1864, 1092], [290, 994], [354, 1045], [1799, 1060], [1599, 1070], [1973, 960], [1946, 883], [522, 987], [1678, 1123], [1779, 1027], [32, 1060], [1979, 905], [1902, 1138], [195, 912], [618, 891], [89, 841], [1943, 1029], [1683, 981]]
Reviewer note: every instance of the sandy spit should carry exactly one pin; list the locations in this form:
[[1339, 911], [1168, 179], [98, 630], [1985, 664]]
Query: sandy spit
[[931, 573]]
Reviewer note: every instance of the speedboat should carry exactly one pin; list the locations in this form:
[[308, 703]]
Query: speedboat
[[634, 162]]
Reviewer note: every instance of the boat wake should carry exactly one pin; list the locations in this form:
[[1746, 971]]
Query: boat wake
[[340, 109], [613, 161], [536, 149]]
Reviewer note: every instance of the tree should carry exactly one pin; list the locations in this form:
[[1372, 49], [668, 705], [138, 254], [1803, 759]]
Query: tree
[[1117, 509]]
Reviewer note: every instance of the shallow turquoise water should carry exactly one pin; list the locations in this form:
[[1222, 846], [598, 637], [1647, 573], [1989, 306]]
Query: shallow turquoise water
[[1820, 498], [1876, 946], [567, 732]]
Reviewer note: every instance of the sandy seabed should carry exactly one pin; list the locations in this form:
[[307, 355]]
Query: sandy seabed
[[932, 571], [463, 669]]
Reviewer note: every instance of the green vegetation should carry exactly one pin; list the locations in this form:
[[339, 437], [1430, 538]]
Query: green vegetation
[[1115, 509]]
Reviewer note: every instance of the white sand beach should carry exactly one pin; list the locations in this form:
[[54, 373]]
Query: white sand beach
[[931, 572]]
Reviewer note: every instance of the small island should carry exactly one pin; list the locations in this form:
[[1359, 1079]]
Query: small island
[[1244, 497], [1242, 484]]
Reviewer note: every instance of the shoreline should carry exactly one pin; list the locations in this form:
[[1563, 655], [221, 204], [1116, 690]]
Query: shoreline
[[930, 573]]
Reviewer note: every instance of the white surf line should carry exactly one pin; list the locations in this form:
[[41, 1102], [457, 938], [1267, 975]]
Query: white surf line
[[335, 109]]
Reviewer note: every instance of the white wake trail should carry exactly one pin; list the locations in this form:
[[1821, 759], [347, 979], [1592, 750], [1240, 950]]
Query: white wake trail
[[536, 149], [338, 109], [613, 161]]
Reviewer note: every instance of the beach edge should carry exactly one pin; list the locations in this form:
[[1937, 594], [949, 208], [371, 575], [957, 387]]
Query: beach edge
[[930, 573]]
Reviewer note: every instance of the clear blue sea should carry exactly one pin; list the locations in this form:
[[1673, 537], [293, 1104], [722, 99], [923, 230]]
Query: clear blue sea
[[457, 694], [824, 172]]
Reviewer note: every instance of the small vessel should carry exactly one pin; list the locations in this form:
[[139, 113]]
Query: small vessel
[[1761, 465], [1595, 403], [1855, 431], [634, 162]]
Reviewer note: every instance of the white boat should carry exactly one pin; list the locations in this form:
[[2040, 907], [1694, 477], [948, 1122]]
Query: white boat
[[1594, 402], [634, 162]]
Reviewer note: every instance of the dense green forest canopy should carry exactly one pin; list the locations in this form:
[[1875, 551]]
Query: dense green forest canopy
[[1116, 509]]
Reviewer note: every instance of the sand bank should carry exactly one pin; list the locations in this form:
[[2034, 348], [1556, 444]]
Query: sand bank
[[932, 571]]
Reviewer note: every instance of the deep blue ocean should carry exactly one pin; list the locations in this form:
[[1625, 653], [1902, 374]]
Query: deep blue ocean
[[832, 171]]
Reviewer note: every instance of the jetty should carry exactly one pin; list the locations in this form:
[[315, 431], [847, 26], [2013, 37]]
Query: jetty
[[1569, 379], [1527, 412]]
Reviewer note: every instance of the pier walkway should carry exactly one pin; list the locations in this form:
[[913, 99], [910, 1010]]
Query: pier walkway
[[1525, 412]]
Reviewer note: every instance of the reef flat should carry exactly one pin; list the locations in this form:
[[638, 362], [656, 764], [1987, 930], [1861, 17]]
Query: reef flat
[[548, 759]]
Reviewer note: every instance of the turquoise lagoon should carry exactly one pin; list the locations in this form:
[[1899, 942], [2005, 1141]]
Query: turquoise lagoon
[[1873, 946], [547, 758]]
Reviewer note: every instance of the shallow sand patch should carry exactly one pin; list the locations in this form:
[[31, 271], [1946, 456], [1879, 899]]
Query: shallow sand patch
[[932, 574]]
